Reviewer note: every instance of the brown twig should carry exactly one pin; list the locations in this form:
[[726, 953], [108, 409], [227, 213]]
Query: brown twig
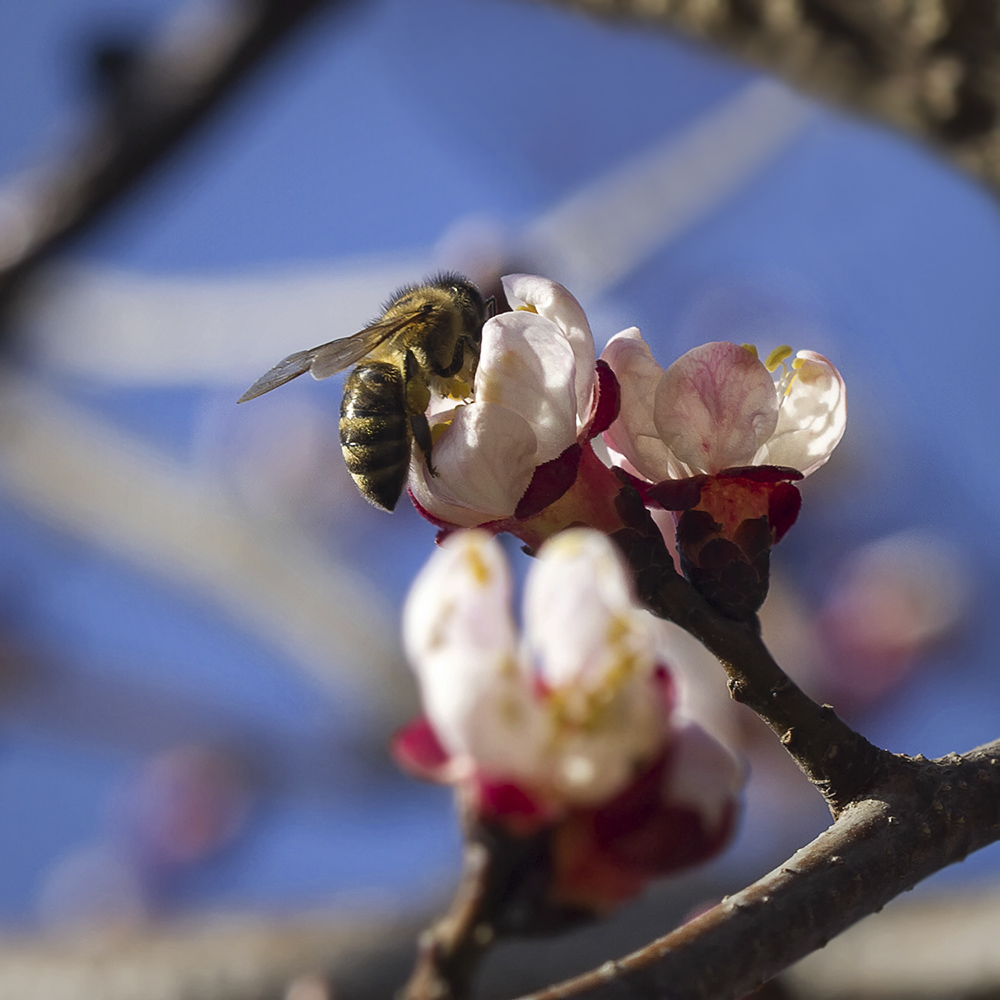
[[840, 762], [896, 820], [929, 68], [450, 949], [924, 815], [154, 103]]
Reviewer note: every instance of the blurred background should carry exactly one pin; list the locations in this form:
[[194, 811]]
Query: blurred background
[[199, 661]]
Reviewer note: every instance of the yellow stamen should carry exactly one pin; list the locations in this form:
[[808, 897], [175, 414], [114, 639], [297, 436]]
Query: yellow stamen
[[477, 565], [456, 388], [511, 711], [750, 348], [617, 629], [777, 356], [527, 309], [438, 429]]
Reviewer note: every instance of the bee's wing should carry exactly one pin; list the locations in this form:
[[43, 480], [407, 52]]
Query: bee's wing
[[327, 359]]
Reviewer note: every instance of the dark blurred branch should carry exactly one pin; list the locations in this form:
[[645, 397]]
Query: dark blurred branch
[[928, 67], [450, 949], [503, 893], [155, 100], [923, 816]]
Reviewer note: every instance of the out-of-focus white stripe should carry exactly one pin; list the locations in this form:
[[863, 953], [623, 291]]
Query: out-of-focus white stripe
[[105, 487], [147, 329], [608, 228], [169, 330]]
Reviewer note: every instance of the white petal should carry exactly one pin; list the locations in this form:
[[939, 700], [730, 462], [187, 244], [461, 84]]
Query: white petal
[[460, 599], [704, 775], [811, 418], [461, 641], [633, 434], [582, 625], [484, 462], [596, 651], [527, 366], [484, 709], [551, 300], [715, 407]]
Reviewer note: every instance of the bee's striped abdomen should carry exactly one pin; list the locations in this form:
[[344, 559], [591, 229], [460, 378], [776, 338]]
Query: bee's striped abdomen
[[375, 431]]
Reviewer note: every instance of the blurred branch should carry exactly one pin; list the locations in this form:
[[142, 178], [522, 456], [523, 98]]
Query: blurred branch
[[157, 97], [929, 68], [920, 949], [107, 487], [210, 958], [451, 948]]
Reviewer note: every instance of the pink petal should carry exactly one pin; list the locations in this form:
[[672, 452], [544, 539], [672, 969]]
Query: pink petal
[[811, 419], [715, 407], [484, 711], [551, 300], [418, 751], [634, 435], [527, 366]]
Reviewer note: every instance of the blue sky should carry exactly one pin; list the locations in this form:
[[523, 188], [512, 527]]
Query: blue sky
[[373, 136]]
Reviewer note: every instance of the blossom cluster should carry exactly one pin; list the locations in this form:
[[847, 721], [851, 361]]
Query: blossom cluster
[[574, 729], [719, 438]]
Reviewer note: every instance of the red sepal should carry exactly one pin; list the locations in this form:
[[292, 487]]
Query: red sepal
[[418, 751], [607, 401], [550, 481], [651, 837], [605, 856], [783, 508], [509, 805], [677, 494]]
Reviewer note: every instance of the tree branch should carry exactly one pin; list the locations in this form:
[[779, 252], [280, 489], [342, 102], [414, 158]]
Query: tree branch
[[930, 69], [503, 891], [924, 815], [841, 763], [450, 949]]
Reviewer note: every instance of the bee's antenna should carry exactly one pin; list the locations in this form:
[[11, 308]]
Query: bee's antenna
[[490, 307]]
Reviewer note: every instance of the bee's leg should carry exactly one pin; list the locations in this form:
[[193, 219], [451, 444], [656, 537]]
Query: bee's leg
[[418, 398], [422, 435], [457, 360]]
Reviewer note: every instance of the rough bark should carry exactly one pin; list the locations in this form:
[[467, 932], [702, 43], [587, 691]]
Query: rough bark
[[923, 816], [930, 68]]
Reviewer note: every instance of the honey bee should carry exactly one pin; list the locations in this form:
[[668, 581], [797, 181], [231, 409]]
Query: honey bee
[[428, 337]]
